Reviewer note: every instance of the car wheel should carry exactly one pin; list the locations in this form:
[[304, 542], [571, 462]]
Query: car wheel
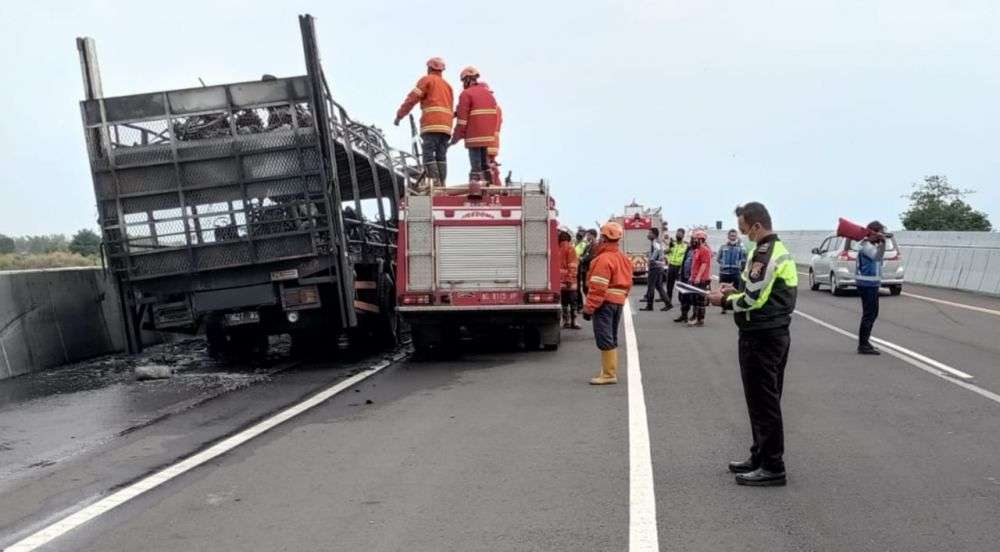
[[835, 288], [813, 285], [896, 289]]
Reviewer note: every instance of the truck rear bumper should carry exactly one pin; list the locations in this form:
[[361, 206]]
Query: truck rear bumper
[[477, 308], [482, 315]]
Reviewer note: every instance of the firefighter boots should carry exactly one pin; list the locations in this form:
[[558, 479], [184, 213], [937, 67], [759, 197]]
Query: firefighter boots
[[609, 368]]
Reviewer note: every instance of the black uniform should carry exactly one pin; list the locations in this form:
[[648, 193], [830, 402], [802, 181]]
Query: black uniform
[[763, 345]]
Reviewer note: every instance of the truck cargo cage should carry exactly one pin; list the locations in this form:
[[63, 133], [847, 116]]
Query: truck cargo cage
[[201, 182]]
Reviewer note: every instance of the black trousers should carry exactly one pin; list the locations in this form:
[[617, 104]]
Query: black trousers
[[654, 283], [607, 317], [478, 160], [729, 278], [435, 147], [763, 355], [869, 312], [673, 273]]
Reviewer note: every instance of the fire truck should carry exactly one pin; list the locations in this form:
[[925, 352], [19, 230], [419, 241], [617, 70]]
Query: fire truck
[[479, 260], [637, 221]]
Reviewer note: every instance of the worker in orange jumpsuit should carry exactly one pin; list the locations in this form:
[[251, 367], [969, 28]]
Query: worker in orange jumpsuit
[[568, 263], [437, 103], [610, 280], [478, 123]]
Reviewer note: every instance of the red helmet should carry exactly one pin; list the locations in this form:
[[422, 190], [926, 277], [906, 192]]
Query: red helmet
[[436, 64], [469, 71], [700, 235]]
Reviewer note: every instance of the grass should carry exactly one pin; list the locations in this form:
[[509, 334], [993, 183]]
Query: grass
[[58, 259]]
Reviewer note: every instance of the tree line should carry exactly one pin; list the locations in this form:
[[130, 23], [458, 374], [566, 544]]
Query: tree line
[[85, 242]]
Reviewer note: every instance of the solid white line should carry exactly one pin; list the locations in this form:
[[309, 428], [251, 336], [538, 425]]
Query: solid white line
[[925, 367], [642, 532], [943, 302], [912, 357], [953, 304], [71, 522]]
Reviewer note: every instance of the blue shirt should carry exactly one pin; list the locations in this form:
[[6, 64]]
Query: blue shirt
[[869, 269]]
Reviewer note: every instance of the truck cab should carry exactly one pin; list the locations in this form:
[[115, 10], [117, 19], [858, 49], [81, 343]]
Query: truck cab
[[480, 260]]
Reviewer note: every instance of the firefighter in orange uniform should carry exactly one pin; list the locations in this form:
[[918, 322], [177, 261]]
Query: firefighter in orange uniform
[[437, 102], [478, 123], [568, 263], [610, 280]]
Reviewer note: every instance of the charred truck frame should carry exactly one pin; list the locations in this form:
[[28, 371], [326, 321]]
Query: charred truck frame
[[241, 208]]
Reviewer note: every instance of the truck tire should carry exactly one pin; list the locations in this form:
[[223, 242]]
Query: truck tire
[[426, 338], [551, 336]]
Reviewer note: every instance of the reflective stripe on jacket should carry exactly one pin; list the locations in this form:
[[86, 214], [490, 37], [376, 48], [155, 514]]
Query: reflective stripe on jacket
[[731, 258], [436, 101], [609, 279], [771, 282], [478, 117], [675, 257]]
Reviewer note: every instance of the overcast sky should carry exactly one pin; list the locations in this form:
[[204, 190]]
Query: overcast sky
[[819, 109]]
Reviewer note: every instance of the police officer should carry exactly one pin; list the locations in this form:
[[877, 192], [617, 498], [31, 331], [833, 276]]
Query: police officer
[[763, 313], [675, 258]]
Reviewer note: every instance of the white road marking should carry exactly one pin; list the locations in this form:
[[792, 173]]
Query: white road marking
[[953, 304], [642, 531], [943, 302], [895, 350], [80, 517]]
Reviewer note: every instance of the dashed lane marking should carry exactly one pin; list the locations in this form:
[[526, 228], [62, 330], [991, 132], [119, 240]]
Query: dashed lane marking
[[80, 517], [642, 531], [940, 370]]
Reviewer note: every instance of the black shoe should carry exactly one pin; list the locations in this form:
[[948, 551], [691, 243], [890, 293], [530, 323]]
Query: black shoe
[[647, 308], [667, 307], [869, 350], [761, 477], [745, 466], [681, 318]]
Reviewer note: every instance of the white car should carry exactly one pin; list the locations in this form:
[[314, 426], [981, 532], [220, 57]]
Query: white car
[[834, 261]]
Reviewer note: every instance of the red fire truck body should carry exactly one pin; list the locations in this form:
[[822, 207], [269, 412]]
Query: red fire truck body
[[485, 262]]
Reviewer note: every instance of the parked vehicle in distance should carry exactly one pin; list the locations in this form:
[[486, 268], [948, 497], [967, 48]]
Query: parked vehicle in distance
[[833, 264]]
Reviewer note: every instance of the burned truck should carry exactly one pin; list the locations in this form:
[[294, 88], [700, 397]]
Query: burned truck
[[246, 209]]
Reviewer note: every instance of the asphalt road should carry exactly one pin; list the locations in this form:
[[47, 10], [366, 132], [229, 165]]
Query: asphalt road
[[512, 450]]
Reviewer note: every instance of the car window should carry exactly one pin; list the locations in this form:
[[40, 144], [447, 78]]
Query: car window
[[837, 244], [890, 245], [822, 247]]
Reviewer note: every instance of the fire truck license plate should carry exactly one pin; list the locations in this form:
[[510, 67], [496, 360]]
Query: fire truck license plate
[[487, 298]]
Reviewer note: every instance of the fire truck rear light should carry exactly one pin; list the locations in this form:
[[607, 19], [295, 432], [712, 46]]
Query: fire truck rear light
[[542, 298], [417, 299]]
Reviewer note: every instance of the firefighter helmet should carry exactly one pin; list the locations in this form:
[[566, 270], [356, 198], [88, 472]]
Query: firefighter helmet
[[469, 72], [435, 63], [612, 231]]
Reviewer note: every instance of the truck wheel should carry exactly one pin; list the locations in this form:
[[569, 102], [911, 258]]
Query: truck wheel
[[426, 338], [551, 336], [532, 338], [896, 289]]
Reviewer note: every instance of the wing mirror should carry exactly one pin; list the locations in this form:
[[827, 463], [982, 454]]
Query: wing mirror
[[816, 251]]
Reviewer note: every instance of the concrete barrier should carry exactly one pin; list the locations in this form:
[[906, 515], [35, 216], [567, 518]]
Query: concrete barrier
[[54, 317], [968, 261]]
